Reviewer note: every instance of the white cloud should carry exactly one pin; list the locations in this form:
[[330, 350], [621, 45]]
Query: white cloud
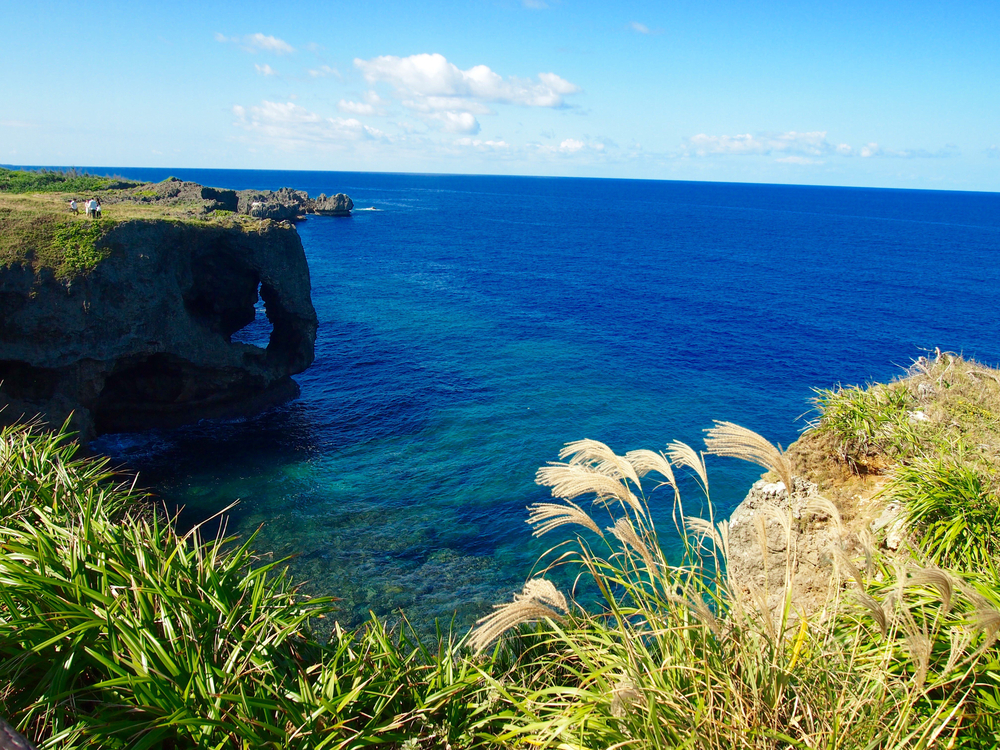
[[640, 28], [355, 108], [792, 143], [258, 43], [483, 145], [808, 144], [428, 82], [571, 145], [324, 71], [268, 44], [373, 104], [265, 70], [426, 104], [457, 122], [798, 160], [291, 125]]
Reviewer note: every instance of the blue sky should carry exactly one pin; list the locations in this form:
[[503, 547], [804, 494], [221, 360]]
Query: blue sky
[[891, 94]]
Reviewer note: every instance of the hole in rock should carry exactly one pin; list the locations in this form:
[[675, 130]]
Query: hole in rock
[[258, 331]]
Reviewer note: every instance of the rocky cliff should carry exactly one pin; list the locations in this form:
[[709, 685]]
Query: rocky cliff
[[143, 339]]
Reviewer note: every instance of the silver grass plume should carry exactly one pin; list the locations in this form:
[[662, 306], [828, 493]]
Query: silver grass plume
[[920, 651], [842, 560], [625, 533], [987, 619], [599, 456], [937, 579], [535, 602], [545, 517], [705, 529], [728, 439], [682, 454], [960, 640], [572, 480], [821, 505], [697, 606], [875, 610], [647, 461]]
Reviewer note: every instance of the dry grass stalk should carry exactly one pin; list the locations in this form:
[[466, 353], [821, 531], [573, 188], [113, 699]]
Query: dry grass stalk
[[535, 602], [682, 454], [545, 517], [937, 579], [646, 461], [624, 532], [824, 506], [728, 439], [875, 610], [600, 457], [843, 560], [706, 529], [568, 481]]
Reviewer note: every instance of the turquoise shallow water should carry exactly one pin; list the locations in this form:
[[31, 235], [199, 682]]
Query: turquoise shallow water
[[472, 325]]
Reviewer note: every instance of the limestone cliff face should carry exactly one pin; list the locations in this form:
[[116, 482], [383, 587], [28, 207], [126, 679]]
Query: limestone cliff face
[[144, 339]]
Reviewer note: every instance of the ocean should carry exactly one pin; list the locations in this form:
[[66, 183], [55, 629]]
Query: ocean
[[472, 325]]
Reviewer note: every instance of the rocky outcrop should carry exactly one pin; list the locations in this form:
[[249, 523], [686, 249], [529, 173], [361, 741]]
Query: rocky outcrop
[[773, 535], [145, 338], [802, 538], [289, 205], [172, 192], [278, 205]]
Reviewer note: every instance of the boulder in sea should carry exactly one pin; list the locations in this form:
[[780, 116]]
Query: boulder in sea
[[334, 205]]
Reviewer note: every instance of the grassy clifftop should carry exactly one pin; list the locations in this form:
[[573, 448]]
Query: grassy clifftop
[[37, 228], [56, 181], [176, 641]]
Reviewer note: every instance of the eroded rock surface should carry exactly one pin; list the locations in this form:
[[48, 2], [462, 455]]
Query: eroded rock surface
[[144, 339], [289, 205], [804, 538]]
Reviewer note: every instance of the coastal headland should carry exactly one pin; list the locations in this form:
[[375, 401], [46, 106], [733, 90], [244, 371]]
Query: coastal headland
[[126, 322]]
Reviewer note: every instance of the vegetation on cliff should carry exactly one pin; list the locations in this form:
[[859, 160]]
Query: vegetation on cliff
[[54, 181], [115, 631], [37, 228]]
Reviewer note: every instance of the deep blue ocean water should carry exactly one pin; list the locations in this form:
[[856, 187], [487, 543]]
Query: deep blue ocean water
[[470, 326]]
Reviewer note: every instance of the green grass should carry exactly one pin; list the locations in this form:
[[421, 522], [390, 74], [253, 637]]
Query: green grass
[[115, 631], [79, 244], [869, 424], [53, 181]]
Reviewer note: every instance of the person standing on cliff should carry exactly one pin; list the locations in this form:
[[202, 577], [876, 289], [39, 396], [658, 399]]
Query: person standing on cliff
[[73, 207], [91, 208], [97, 208]]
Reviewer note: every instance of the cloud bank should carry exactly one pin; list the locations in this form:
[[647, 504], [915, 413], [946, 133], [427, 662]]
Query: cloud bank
[[258, 43], [798, 148], [290, 125]]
